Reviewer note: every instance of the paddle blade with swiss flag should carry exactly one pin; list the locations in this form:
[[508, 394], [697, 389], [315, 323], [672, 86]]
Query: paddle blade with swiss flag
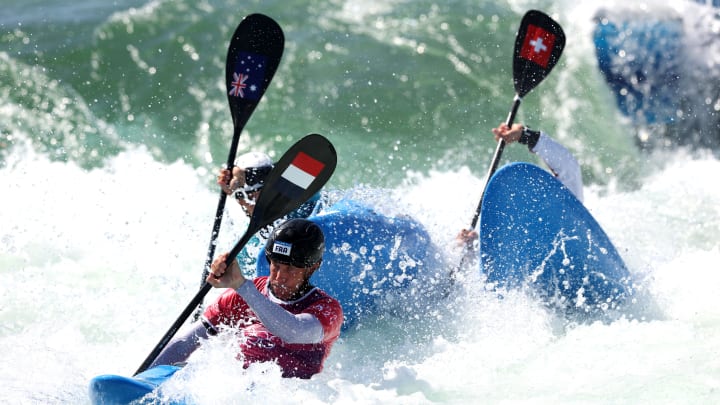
[[538, 46]]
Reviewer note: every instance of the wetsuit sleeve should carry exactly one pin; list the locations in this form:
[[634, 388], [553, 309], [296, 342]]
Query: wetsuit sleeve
[[181, 347], [291, 328], [561, 162]]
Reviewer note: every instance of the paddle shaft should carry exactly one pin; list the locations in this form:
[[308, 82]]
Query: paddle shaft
[[496, 157], [240, 117], [219, 211], [493, 167], [174, 328]]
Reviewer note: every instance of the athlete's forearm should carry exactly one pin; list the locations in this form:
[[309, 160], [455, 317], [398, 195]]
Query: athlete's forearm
[[562, 163], [181, 347], [291, 328]]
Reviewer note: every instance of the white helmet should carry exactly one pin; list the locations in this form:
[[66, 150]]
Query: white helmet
[[257, 166]]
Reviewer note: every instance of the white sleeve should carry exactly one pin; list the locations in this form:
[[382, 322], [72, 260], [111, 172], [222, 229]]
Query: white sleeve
[[561, 162], [291, 328]]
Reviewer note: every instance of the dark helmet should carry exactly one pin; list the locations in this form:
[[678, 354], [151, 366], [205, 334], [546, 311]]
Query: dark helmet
[[297, 242]]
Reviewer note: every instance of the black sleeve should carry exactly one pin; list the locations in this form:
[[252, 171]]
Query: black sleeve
[[529, 138]]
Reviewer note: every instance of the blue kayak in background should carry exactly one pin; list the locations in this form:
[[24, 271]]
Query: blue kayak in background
[[659, 61], [370, 258], [535, 234], [640, 57]]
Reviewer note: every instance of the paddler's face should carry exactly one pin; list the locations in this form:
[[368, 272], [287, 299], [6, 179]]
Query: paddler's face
[[286, 280], [245, 199]]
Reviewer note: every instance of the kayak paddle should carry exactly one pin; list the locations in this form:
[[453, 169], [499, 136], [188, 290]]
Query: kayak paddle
[[301, 172], [538, 45], [253, 57]]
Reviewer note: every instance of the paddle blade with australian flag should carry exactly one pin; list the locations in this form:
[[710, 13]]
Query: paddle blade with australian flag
[[253, 57], [298, 175], [538, 47]]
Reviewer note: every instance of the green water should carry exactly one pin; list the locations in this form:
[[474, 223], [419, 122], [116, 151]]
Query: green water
[[396, 86]]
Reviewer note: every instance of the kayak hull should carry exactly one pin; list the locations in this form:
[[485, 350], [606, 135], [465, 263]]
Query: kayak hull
[[110, 389], [535, 234]]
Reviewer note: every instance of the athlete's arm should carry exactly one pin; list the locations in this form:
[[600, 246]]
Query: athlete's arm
[[291, 328], [181, 347], [561, 162]]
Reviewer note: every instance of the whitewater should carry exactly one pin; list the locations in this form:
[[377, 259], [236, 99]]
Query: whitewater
[[92, 276], [99, 254]]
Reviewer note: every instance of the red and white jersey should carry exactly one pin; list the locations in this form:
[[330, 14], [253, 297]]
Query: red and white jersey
[[258, 344]]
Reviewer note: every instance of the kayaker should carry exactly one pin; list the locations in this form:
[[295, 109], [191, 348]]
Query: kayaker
[[247, 178], [244, 182], [278, 318], [561, 161]]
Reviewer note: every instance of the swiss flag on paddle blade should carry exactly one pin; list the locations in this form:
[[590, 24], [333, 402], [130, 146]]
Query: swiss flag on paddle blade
[[537, 45]]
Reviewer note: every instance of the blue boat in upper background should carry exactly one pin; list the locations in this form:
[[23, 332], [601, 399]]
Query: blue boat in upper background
[[663, 66]]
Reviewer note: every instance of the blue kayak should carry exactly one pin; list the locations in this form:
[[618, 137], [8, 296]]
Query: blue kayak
[[369, 257], [640, 58], [113, 389], [535, 234]]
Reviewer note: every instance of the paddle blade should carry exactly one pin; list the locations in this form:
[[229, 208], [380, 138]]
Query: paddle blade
[[301, 172], [538, 46], [253, 57]]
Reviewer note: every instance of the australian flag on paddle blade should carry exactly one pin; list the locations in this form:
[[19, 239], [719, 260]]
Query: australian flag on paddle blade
[[248, 76]]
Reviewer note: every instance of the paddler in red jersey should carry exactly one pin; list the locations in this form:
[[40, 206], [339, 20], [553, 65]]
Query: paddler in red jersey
[[279, 318]]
